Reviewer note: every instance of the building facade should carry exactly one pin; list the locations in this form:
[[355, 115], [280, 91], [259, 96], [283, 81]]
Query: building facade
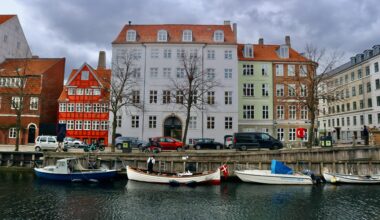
[[13, 43], [158, 50], [83, 104], [34, 85], [353, 98]]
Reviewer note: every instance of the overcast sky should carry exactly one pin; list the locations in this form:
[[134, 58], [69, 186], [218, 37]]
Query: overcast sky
[[78, 29]]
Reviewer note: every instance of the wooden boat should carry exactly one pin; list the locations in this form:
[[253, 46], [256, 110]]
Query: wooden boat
[[174, 179], [267, 177], [70, 169], [347, 178]]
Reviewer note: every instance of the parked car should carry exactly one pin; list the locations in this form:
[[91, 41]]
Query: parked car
[[135, 142], [207, 143], [247, 140], [46, 143], [73, 142], [168, 143]]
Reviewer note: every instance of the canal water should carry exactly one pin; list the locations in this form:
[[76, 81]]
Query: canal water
[[23, 196]]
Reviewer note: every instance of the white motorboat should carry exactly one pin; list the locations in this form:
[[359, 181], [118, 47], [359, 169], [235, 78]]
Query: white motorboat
[[180, 178], [348, 178], [267, 177]]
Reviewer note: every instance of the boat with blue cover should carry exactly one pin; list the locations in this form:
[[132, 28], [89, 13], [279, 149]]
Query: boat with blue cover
[[70, 169]]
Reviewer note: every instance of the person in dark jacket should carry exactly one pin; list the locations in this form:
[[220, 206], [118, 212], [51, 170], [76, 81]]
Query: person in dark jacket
[[366, 135], [150, 163]]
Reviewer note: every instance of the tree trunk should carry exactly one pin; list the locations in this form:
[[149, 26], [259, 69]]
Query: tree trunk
[[113, 136], [311, 136], [186, 124], [18, 128]]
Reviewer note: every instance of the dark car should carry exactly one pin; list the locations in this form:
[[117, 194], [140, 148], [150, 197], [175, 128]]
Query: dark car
[[247, 140], [207, 143]]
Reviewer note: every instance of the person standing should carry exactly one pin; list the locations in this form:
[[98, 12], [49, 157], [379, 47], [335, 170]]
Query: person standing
[[150, 163], [366, 135]]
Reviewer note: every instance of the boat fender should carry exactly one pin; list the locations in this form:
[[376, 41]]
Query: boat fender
[[333, 179]]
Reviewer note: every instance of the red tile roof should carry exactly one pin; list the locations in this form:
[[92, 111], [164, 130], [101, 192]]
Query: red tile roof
[[201, 33], [27, 66], [267, 52], [4, 18]]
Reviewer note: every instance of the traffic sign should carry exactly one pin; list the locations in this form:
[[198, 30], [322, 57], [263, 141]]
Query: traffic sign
[[300, 132]]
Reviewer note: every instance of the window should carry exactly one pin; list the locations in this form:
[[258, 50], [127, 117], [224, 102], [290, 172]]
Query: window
[[97, 107], [284, 51], [360, 89], [377, 83], [264, 69], [210, 122], [227, 122], [88, 91], [228, 54], [361, 119], [280, 90], [228, 73], [187, 36], [248, 89], [292, 134], [136, 73], [62, 107], [378, 100], [78, 125], [265, 89], [348, 107], [370, 119], [118, 121], [354, 120], [279, 70], [135, 96], [166, 96], [218, 36], [104, 107], [70, 124], [154, 72], [96, 91], [154, 53], [180, 53], [79, 107], [193, 122], [359, 73], [265, 112], [95, 125], [162, 36], [228, 97], [70, 107], [303, 91], [180, 73], [369, 103], [167, 72], [85, 75], [304, 113], [153, 96], [353, 91], [135, 121], [15, 103], [367, 71], [378, 118], [87, 107], [211, 54], [5, 38], [79, 91], [291, 70], [33, 103], [280, 134], [346, 78], [303, 71], [376, 65], [348, 121], [179, 97], [210, 97], [368, 87], [248, 69], [87, 125], [248, 111], [152, 121], [104, 125], [248, 50], [292, 112], [292, 90], [280, 112], [131, 35], [352, 76], [354, 106], [210, 73], [167, 53], [12, 133]]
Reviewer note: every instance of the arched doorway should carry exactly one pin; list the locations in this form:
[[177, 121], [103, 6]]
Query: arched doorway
[[31, 133], [173, 127]]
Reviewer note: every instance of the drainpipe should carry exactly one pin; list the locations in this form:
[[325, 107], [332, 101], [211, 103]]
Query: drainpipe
[[143, 98]]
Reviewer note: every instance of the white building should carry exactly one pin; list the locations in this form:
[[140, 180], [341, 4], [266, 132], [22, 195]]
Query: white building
[[157, 49], [13, 43], [355, 88]]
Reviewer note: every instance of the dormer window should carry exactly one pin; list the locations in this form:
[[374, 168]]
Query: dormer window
[[131, 35], [187, 36], [162, 36], [84, 75], [219, 36], [284, 51], [248, 50]]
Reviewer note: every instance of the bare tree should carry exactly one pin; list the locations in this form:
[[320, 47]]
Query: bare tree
[[191, 85], [121, 87]]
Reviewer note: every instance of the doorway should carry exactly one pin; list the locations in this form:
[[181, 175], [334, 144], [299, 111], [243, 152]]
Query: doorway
[[173, 127], [31, 134]]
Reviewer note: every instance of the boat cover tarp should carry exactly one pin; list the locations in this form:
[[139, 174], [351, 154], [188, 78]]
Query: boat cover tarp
[[278, 167]]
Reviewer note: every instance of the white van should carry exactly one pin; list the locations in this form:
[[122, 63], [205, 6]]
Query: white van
[[46, 143]]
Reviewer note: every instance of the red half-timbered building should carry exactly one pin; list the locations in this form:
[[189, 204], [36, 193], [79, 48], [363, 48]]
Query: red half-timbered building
[[83, 104]]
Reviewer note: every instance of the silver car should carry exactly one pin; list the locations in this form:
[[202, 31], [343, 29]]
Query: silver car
[[46, 143], [135, 142], [73, 142]]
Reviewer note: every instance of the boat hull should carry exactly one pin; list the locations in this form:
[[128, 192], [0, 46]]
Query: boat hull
[[351, 179], [98, 175], [266, 177], [211, 178]]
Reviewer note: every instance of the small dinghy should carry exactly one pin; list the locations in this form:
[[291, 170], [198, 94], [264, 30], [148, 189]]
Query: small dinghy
[[279, 174], [347, 178], [174, 179], [70, 169]]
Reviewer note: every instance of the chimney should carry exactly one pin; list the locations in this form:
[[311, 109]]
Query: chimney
[[227, 22], [102, 60], [234, 29], [287, 40], [261, 41], [129, 22]]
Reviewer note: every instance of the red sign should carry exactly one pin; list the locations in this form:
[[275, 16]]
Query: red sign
[[300, 132]]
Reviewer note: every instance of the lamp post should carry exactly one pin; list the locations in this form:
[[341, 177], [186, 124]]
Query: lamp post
[[324, 138]]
